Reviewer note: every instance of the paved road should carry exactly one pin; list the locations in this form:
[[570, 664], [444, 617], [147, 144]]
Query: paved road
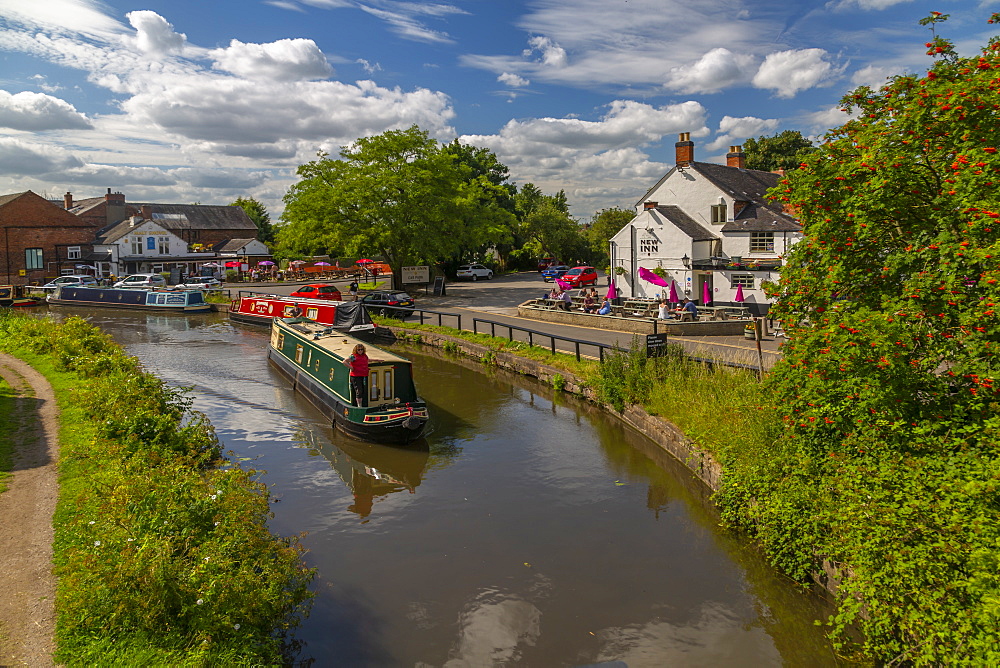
[[497, 300]]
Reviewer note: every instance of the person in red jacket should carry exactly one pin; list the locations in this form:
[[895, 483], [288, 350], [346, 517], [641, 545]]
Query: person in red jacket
[[358, 364]]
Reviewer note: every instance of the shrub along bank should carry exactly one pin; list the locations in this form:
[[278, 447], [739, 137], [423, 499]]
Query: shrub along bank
[[161, 545]]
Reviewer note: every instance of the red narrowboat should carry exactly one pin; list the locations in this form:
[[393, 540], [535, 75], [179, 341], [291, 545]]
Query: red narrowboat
[[259, 309]]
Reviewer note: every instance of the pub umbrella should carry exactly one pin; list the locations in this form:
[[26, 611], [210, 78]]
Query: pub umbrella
[[612, 290], [706, 295], [323, 264], [673, 293], [266, 263], [650, 277], [563, 285], [739, 294]]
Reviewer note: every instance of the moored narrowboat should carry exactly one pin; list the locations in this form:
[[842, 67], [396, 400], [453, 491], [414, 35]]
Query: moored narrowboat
[[13, 296], [312, 356], [171, 301], [259, 309]]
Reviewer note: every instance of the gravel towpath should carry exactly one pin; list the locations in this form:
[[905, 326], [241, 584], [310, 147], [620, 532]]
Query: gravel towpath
[[27, 612]]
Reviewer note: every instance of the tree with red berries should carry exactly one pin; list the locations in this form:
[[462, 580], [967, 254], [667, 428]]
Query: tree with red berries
[[889, 462]]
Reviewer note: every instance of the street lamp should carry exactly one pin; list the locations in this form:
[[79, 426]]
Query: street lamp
[[686, 261]]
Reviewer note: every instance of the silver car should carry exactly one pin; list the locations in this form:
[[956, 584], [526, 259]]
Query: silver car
[[474, 272], [142, 281], [63, 281]]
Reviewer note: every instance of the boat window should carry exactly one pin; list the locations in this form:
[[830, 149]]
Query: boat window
[[298, 354], [387, 385], [281, 341], [312, 313], [288, 311], [373, 385]]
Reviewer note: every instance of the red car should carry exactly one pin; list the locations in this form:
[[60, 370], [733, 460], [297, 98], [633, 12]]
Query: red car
[[580, 276], [547, 262], [318, 291]]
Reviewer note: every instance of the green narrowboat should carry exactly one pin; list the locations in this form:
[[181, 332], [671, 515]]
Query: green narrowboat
[[311, 355]]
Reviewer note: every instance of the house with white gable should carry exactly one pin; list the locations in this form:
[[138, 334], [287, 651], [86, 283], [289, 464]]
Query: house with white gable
[[706, 227]]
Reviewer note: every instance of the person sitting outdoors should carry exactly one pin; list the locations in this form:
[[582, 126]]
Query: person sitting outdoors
[[566, 300], [663, 310], [589, 303], [605, 308], [687, 306]]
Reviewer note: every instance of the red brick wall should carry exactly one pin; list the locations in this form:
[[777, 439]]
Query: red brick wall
[[31, 221]]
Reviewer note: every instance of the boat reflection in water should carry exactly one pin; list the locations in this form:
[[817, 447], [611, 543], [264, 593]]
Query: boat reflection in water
[[371, 471]]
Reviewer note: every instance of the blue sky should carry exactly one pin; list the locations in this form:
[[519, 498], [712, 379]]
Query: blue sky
[[192, 101]]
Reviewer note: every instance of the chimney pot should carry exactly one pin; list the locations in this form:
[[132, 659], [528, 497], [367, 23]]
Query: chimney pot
[[68, 201], [684, 149], [735, 157]]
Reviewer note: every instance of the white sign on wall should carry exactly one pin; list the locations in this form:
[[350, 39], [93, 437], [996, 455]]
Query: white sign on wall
[[416, 274]]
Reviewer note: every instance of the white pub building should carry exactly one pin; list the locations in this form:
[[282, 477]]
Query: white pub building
[[705, 224]]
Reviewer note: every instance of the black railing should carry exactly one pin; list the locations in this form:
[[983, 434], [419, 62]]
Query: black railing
[[532, 333]]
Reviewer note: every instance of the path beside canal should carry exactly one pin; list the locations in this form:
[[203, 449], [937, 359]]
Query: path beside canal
[[27, 607]]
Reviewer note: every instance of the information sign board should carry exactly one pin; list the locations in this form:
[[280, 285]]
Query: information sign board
[[416, 275], [438, 286], [656, 344]]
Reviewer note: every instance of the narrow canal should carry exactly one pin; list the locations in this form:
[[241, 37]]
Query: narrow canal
[[534, 530]]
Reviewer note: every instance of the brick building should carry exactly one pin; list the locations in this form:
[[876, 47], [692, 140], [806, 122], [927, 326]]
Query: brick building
[[40, 240]]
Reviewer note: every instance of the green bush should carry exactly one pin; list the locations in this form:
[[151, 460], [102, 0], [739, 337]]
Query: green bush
[[161, 546]]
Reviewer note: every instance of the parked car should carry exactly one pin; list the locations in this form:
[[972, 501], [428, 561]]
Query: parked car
[[388, 298], [318, 291], [546, 262], [474, 272], [201, 283], [142, 281], [555, 272], [68, 280], [581, 276]]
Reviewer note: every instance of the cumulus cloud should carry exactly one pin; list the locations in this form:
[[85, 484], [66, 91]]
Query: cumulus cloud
[[788, 72], [154, 35], [717, 69], [873, 76], [734, 130], [549, 53], [285, 60], [35, 112], [825, 119], [512, 80], [23, 158]]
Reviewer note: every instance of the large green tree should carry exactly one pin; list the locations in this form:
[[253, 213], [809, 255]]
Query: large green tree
[[784, 150], [889, 461], [605, 224], [545, 226], [399, 195], [257, 212]]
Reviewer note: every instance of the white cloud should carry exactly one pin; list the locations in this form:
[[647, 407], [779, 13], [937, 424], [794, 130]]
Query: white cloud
[[512, 80], [549, 53], [23, 158], [77, 16], [154, 35], [717, 69], [734, 130], [368, 67], [825, 119], [406, 25], [284, 60], [867, 4], [36, 112], [788, 72], [873, 76]]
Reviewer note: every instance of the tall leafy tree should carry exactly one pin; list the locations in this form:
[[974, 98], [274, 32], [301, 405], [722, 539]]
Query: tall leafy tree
[[784, 150], [257, 212], [545, 225], [397, 194], [888, 389], [604, 225]]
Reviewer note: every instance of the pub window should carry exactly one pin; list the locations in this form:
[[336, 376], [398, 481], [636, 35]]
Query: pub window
[[741, 280], [762, 242], [136, 245], [719, 213], [33, 258], [164, 245], [73, 253]]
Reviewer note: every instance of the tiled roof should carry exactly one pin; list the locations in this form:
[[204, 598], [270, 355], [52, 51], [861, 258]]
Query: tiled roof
[[683, 222], [230, 245], [200, 217], [749, 185], [757, 218], [4, 199]]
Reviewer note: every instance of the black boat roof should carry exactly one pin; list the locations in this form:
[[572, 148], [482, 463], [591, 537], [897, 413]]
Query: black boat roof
[[336, 343]]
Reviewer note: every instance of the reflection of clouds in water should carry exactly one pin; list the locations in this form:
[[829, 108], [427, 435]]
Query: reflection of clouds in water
[[492, 627], [718, 637]]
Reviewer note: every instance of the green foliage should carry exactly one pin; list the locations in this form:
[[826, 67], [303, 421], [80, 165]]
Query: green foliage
[[399, 195], [257, 212], [887, 463], [784, 150], [559, 382], [160, 544], [8, 428], [605, 224], [546, 229]]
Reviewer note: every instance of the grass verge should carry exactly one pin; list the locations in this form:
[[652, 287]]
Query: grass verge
[[161, 545], [8, 427]]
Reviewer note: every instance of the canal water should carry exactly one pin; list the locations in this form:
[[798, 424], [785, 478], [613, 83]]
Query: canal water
[[534, 530]]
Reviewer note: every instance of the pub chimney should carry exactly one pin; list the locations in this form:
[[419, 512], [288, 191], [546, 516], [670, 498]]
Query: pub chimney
[[68, 201], [685, 149], [735, 157], [650, 205], [147, 212]]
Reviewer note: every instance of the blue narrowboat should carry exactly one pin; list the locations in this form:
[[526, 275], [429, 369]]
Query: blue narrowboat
[[179, 301], [311, 355]]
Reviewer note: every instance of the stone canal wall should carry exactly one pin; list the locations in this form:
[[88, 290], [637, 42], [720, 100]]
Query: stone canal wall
[[670, 438]]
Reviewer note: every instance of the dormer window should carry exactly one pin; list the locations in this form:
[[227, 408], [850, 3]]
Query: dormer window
[[719, 213]]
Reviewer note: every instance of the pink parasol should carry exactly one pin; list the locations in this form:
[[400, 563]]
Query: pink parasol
[[563, 285], [323, 264], [612, 290], [266, 263], [650, 277], [364, 261], [706, 294], [232, 263], [673, 293], [739, 294]]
